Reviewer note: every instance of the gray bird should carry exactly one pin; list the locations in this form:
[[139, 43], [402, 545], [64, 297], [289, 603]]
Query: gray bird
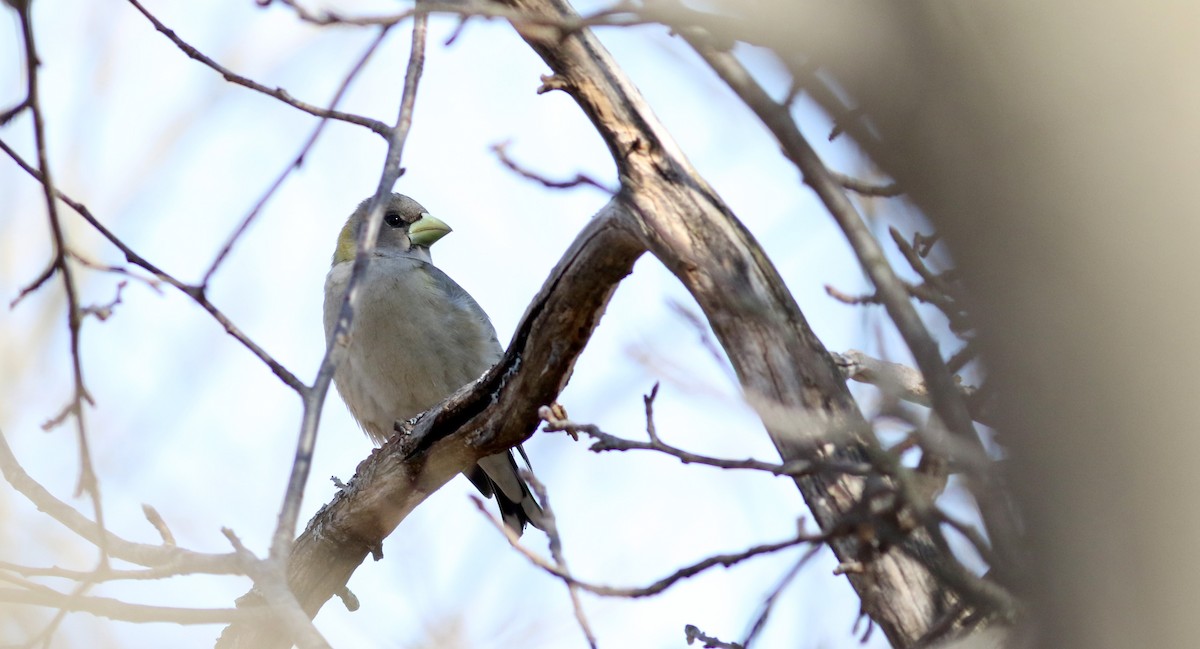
[[416, 337]]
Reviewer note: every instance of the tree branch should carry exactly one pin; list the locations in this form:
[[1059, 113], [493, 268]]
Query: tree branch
[[481, 419], [782, 366]]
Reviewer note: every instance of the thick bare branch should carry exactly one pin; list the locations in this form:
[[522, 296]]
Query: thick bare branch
[[496, 412], [783, 368]]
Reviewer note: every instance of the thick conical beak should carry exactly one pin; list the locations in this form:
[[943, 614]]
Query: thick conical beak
[[427, 230]]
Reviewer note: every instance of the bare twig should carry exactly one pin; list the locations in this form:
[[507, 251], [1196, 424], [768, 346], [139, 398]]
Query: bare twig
[[196, 293], [298, 160], [859, 186], [501, 151], [606, 442], [725, 560], [693, 633], [621, 14], [88, 483], [769, 603], [170, 560], [282, 95], [103, 312], [550, 525], [37, 283], [936, 289], [159, 524], [152, 283], [895, 379]]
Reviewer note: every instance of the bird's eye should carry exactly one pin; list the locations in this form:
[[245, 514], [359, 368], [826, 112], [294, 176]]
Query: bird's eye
[[393, 220]]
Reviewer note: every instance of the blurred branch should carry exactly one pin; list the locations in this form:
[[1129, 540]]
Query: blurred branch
[[87, 483], [501, 151], [270, 581], [692, 633], [607, 442], [897, 380], [298, 160], [769, 603], [782, 366], [550, 525], [168, 560], [620, 14], [124, 611], [724, 560], [197, 293], [945, 397], [859, 186]]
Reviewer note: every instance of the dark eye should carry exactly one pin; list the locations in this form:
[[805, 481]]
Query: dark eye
[[393, 220]]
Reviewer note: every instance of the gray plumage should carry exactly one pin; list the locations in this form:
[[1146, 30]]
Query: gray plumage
[[416, 337]]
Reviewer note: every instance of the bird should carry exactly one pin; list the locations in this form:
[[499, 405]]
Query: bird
[[415, 338]]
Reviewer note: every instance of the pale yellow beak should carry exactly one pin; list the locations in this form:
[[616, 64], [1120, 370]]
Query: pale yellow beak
[[427, 230]]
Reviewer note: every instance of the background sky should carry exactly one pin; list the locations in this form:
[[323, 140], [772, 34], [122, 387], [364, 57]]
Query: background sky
[[171, 158]]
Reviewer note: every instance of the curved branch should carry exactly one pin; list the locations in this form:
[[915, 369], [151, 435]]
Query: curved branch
[[784, 369], [496, 412]]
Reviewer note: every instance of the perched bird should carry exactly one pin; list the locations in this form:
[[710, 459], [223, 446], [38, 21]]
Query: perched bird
[[416, 337]]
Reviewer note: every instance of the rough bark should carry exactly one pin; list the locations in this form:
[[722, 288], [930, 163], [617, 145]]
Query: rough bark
[[498, 411], [784, 369]]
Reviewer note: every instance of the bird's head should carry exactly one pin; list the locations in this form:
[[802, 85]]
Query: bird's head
[[406, 226]]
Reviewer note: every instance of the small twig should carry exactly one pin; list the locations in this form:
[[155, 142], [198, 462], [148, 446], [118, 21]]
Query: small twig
[[853, 300], [159, 524], [550, 527], [725, 560], [918, 262], [971, 534], [501, 151], [296, 161], [648, 399], [35, 284], [458, 30], [107, 574], [859, 186], [963, 356], [152, 283], [706, 341], [169, 560], [893, 379], [769, 603], [103, 312], [692, 633], [607, 442], [87, 483], [923, 243], [282, 95], [195, 293]]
